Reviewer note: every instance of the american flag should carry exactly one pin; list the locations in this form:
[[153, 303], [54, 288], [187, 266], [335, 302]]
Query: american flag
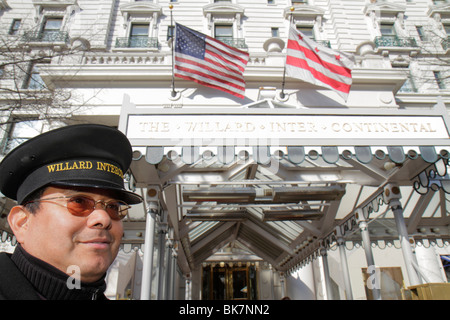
[[308, 61], [209, 62]]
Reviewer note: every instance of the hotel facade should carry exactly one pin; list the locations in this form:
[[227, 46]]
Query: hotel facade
[[291, 191]]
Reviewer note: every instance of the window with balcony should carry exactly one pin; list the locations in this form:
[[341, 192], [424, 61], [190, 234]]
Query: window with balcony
[[224, 21], [387, 24], [138, 36], [140, 25], [51, 18], [50, 29]]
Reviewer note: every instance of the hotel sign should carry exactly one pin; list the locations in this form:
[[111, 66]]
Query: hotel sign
[[285, 129]]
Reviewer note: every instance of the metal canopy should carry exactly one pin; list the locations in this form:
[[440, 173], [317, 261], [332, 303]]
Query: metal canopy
[[282, 202], [282, 211]]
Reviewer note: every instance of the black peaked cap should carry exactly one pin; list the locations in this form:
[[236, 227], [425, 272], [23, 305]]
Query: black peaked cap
[[86, 155]]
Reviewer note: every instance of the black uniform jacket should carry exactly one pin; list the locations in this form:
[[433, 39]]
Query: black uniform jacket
[[13, 284]]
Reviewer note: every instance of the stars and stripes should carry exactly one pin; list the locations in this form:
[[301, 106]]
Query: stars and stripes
[[209, 62], [308, 61]]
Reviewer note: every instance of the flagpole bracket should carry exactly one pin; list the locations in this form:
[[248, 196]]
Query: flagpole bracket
[[175, 95], [282, 96]]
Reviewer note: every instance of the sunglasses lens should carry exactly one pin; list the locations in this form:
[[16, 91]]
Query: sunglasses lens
[[80, 206], [83, 206], [117, 210]]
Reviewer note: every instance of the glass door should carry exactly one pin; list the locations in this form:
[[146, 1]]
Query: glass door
[[222, 282]]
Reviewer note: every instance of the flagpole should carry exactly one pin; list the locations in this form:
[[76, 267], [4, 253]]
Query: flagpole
[[284, 71], [173, 93]]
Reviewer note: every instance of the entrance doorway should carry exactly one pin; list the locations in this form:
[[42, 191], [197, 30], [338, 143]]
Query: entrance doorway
[[229, 282]]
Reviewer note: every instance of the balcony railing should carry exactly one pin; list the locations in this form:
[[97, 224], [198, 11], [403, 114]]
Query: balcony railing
[[46, 36], [234, 42], [394, 41], [137, 42], [325, 43]]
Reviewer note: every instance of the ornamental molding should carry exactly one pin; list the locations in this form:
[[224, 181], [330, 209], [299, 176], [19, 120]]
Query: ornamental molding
[[220, 8], [305, 15], [439, 11], [135, 10], [219, 12], [385, 12], [140, 8], [385, 9]]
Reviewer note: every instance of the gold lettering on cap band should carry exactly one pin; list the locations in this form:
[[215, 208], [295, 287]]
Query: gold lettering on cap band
[[85, 165], [110, 168]]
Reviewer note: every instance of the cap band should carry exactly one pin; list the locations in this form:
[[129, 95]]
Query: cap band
[[91, 172]]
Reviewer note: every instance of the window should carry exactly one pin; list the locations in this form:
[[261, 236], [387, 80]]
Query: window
[[299, 2], [307, 31], [139, 35], [438, 2], [275, 32], [387, 29], [420, 32], [223, 32], [447, 29], [21, 131], [409, 85], [439, 79], [51, 29], [170, 32], [14, 29], [33, 79]]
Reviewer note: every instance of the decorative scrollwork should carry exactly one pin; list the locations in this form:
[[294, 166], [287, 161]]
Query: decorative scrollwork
[[433, 178], [373, 206]]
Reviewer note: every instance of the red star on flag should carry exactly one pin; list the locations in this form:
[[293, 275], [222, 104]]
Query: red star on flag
[[338, 57]]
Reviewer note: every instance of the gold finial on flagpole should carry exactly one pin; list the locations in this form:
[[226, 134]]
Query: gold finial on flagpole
[[170, 6]]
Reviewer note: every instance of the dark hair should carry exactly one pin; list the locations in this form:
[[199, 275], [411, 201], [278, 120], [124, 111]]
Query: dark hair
[[35, 195]]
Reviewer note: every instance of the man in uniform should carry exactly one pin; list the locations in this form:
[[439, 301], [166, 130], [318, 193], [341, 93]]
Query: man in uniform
[[69, 186]]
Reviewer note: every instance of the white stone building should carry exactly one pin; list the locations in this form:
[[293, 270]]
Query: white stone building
[[263, 197]]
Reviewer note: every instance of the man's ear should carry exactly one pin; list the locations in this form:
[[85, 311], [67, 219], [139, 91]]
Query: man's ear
[[18, 220]]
